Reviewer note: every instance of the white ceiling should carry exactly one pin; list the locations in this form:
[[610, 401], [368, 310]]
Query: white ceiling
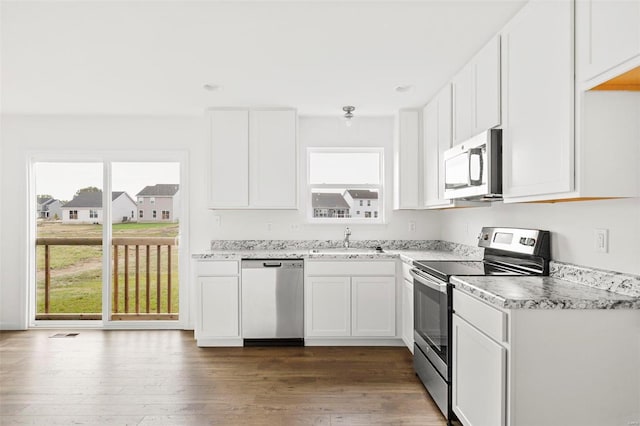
[[153, 57]]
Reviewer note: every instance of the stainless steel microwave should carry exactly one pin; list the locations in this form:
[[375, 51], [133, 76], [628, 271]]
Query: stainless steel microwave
[[473, 169]]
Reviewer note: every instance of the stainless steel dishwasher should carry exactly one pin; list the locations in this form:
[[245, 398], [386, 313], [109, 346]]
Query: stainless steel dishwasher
[[272, 302]]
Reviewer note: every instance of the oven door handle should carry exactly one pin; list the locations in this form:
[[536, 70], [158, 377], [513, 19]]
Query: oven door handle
[[424, 280]]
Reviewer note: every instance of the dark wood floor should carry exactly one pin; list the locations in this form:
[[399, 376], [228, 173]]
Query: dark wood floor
[[161, 377]]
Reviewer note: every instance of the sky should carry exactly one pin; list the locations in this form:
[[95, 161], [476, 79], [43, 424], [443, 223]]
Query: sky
[[62, 180]]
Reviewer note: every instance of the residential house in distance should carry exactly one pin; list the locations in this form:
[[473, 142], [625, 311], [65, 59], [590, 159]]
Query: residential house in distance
[[49, 208], [329, 205], [159, 203], [363, 202], [87, 208]]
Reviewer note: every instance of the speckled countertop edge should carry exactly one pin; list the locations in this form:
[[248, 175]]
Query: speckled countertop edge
[[536, 292]]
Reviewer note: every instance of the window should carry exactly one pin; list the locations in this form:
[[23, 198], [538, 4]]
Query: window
[[165, 214], [141, 214], [341, 179], [93, 214], [73, 214], [153, 214], [152, 200], [140, 200]]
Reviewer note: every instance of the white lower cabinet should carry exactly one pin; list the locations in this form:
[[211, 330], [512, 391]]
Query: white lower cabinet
[[351, 307], [373, 306], [218, 303], [530, 367], [219, 307], [328, 306], [479, 368]]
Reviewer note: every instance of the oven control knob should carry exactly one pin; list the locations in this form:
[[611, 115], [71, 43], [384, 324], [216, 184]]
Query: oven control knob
[[528, 241]]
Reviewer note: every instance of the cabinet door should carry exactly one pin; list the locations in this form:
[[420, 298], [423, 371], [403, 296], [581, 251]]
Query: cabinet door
[[431, 154], [229, 181], [373, 306], [445, 129], [219, 307], [407, 168], [463, 105], [273, 170], [486, 68], [327, 306], [538, 90], [437, 139], [407, 313], [608, 34], [479, 376]]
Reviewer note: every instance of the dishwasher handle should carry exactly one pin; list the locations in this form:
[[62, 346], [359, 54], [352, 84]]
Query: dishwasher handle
[[272, 263]]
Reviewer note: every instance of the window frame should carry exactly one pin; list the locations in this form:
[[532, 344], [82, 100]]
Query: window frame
[[380, 187]]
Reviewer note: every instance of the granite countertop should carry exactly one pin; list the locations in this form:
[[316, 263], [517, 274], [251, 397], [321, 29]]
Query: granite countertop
[[535, 292], [352, 254]]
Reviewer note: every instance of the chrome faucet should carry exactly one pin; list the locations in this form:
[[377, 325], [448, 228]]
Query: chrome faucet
[[347, 233]]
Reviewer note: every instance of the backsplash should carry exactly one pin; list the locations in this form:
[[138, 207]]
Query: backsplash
[[616, 282]]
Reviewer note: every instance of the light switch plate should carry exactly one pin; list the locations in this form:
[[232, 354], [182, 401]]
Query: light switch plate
[[601, 240]]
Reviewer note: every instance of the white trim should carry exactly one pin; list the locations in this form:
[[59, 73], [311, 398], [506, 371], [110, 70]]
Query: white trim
[[351, 341], [105, 158]]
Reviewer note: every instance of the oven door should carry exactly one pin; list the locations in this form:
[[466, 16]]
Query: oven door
[[430, 315]]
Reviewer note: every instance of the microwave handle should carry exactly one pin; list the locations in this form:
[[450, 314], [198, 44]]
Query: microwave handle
[[478, 152]]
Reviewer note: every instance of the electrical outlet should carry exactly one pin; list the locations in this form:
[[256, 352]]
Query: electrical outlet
[[269, 226], [412, 226], [217, 221], [601, 240], [295, 227]]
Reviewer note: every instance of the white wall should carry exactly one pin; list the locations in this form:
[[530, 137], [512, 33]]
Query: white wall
[[331, 132], [571, 224]]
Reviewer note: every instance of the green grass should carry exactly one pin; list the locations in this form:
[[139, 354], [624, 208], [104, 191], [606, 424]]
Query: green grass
[[76, 271]]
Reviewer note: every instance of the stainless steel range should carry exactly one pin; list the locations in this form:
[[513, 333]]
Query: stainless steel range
[[508, 252]]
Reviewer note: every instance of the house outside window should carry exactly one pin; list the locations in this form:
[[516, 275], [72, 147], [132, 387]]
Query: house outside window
[[341, 179], [152, 200], [73, 214], [140, 200], [140, 214], [93, 214], [165, 215], [154, 214]]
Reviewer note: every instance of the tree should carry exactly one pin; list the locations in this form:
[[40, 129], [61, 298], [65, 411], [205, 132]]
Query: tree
[[44, 196], [87, 189]]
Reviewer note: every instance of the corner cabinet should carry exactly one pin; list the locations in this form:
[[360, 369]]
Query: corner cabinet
[[218, 303], [350, 302], [253, 159], [408, 161], [538, 100], [436, 140]]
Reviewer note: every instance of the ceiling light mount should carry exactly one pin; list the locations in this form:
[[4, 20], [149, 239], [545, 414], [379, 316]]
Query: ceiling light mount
[[348, 112]]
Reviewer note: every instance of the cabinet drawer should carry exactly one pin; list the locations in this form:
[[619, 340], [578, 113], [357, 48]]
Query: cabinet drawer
[[353, 267], [227, 267], [405, 272], [487, 319]]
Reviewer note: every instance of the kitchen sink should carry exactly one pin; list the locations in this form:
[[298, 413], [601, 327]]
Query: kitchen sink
[[350, 250]]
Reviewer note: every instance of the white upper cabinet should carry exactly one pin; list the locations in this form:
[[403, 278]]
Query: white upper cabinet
[[476, 93], [229, 182], [538, 98], [408, 158], [463, 104], [436, 139], [607, 36], [272, 148], [253, 159]]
